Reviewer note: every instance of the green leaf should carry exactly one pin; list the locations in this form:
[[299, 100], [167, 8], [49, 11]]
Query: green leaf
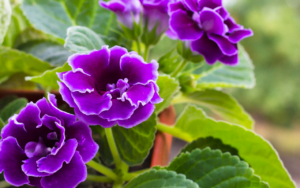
[[51, 52], [49, 78], [18, 24], [5, 16], [169, 62], [168, 87], [2, 124], [6, 100], [256, 151], [220, 75], [14, 61], [220, 103], [29, 34], [161, 179], [210, 142], [211, 168], [82, 40], [55, 17], [133, 144], [12, 108]]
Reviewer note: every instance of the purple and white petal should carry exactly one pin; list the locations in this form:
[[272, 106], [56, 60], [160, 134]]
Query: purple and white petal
[[212, 22], [224, 44], [94, 119]]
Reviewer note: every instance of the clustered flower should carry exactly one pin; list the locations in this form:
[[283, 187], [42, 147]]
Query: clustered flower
[[111, 86], [209, 28], [45, 147]]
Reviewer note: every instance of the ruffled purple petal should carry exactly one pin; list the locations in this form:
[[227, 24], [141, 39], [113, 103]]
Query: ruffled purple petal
[[209, 3], [69, 176], [139, 94], [53, 163], [92, 64], [94, 119], [184, 26], [212, 22], [156, 98], [66, 94], [230, 60], [87, 147], [61, 141], [35, 181], [78, 81], [222, 12], [141, 114], [192, 5], [49, 121], [232, 26], [207, 48], [115, 6], [137, 71], [30, 117], [119, 110], [239, 35], [92, 103], [176, 6], [11, 157], [30, 167], [224, 44]]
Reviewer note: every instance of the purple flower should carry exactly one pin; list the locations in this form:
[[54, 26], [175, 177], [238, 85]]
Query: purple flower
[[209, 27], [45, 147], [111, 86], [155, 12]]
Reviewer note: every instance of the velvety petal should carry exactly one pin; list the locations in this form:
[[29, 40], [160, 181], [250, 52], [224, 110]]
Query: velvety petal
[[207, 48], [87, 147], [30, 117], [139, 94], [230, 60], [156, 98], [78, 81], [94, 119], [141, 114], [209, 3], [35, 181], [119, 110], [53, 163], [69, 176], [11, 157], [30, 148], [49, 121], [30, 167], [66, 94], [92, 63], [171, 34], [176, 6], [191, 4], [59, 144], [224, 44], [184, 26], [91, 103], [137, 71], [212, 22], [222, 12], [232, 26], [239, 35], [115, 6]]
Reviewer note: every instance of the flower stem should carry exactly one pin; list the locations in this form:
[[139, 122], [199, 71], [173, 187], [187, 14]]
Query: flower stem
[[174, 132], [102, 169], [146, 53], [102, 179], [113, 147], [132, 175], [138, 45], [179, 68]]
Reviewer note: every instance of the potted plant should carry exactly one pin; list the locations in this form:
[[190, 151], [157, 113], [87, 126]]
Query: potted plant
[[127, 72]]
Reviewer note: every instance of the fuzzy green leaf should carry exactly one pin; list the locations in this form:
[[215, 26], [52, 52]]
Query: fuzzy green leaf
[[256, 151], [211, 168], [49, 78], [82, 40], [5, 16], [12, 108], [161, 179], [168, 87]]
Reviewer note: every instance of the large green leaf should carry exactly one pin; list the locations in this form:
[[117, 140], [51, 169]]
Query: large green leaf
[[220, 75], [211, 168], [49, 78], [14, 61], [18, 24], [5, 16], [161, 179], [133, 144], [221, 103], [82, 40], [210, 142], [53, 53], [168, 87], [12, 108], [6, 100], [256, 151], [56, 16]]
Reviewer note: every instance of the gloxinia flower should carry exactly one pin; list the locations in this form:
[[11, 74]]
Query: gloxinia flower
[[110, 86], [155, 12], [209, 27], [45, 147]]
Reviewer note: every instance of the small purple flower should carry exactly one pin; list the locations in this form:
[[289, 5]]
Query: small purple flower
[[209, 27], [155, 12], [45, 147], [111, 86]]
